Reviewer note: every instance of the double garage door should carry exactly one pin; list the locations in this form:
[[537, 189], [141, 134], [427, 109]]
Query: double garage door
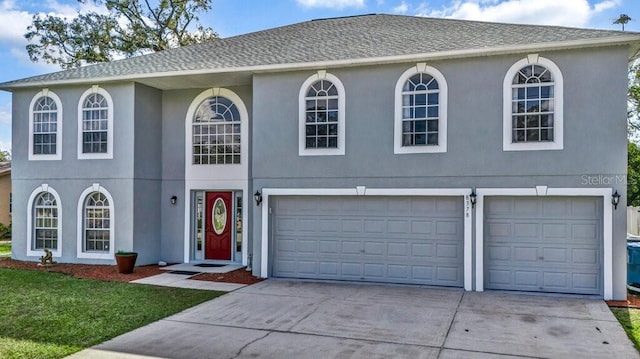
[[543, 244], [415, 240], [533, 244]]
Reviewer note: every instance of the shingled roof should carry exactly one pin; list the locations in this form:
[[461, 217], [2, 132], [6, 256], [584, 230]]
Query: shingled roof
[[339, 42]]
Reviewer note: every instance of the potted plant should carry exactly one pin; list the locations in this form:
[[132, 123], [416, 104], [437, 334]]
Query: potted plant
[[126, 261]]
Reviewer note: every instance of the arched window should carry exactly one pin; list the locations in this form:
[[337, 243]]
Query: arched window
[[95, 138], [321, 122], [44, 222], [216, 132], [44, 126], [533, 105], [95, 223], [420, 111]]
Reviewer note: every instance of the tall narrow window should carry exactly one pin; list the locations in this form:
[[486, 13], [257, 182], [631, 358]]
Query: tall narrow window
[[533, 115], [420, 123], [45, 222], [321, 124], [420, 105], [216, 132], [95, 136], [44, 126], [95, 124], [97, 223], [532, 105], [322, 116]]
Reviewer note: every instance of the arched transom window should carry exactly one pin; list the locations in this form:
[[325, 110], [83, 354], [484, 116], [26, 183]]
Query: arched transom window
[[45, 224], [532, 109], [321, 120], [216, 132], [97, 223], [420, 110], [95, 124], [45, 126]]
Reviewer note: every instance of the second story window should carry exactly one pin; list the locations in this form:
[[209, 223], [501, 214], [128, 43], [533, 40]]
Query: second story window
[[45, 127], [216, 132], [96, 124], [533, 105], [420, 119], [322, 116]]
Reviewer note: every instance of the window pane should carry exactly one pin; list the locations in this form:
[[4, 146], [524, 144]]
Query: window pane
[[217, 129]]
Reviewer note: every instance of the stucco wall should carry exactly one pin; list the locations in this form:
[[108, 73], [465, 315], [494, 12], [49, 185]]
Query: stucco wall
[[71, 176], [147, 174], [594, 153]]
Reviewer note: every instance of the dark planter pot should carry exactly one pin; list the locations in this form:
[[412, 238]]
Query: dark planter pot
[[126, 262]]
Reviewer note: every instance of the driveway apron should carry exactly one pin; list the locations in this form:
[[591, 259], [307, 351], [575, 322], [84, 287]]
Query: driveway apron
[[296, 319]]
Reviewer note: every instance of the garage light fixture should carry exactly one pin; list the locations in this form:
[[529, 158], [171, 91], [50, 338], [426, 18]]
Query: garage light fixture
[[174, 199], [473, 197], [615, 199], [258, 197]]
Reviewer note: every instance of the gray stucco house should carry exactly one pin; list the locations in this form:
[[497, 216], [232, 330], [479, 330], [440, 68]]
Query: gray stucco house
[[370, 148]]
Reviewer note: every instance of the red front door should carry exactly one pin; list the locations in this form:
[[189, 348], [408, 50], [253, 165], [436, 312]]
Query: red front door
[[218, 222]]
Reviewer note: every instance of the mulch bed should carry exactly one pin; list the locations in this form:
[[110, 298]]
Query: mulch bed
[[633, 301], [239, 276], [110, 272], [87, 271]]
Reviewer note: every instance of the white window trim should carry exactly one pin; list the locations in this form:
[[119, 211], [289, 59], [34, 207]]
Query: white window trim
[[302, 146], [231, 171], [37, 252], [364, 191], [109, 153], [58, 154], [558, 113], [607, 224], [441, 147], [80, 253]]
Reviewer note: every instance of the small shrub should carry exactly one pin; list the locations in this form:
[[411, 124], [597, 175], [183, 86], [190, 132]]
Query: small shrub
[[5, 231]]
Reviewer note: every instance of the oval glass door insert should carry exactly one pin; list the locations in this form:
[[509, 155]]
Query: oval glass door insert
[[219, 216]]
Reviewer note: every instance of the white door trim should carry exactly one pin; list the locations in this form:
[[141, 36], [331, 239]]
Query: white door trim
[[363, 191], [607, 224]]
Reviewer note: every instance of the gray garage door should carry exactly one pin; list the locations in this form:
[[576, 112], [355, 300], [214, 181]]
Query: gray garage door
[[413, 240], [543, 244]]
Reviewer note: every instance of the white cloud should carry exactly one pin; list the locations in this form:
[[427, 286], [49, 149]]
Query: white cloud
[[331, 4], [13, 23], [5, 114], [402, 8], [542, 12]]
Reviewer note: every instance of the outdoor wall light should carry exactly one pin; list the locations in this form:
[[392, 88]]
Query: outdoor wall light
[[615, 199], [258, 197], [473, 197], [174, 199]]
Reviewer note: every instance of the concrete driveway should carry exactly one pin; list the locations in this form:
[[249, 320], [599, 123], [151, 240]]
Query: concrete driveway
[[293, 319]]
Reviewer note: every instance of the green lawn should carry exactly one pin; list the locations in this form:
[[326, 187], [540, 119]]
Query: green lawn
[[51, 315], [5, 248], [630, 320]]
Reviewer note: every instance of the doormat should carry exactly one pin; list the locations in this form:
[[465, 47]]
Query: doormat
[[209, 265], [183, 272]]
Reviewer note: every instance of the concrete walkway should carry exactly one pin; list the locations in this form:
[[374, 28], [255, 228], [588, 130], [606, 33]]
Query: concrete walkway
[[179, 276], [294, 319]]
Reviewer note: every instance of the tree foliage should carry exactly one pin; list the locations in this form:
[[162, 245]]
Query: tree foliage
[[124, 28], [633, 175], [5, 156]]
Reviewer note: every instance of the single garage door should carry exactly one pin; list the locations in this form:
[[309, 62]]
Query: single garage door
[[415, 240], [543, 244]]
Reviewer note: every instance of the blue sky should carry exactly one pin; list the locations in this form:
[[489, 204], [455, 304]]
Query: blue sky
[[234, 17]]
